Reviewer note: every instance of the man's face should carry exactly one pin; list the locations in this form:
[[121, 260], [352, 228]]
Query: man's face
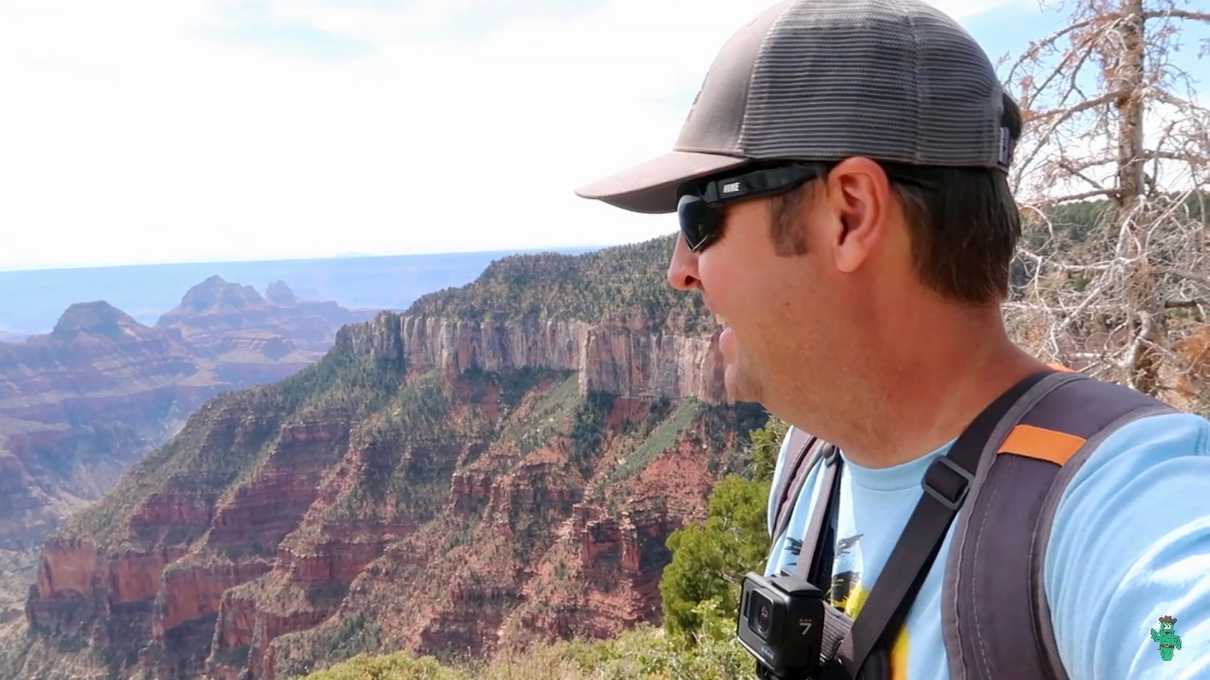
[[764, 300]]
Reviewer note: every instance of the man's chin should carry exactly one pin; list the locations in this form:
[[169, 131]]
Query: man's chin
[[733, 387]]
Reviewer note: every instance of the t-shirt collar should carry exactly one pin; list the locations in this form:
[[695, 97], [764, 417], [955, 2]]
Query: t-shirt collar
[[898, 477]]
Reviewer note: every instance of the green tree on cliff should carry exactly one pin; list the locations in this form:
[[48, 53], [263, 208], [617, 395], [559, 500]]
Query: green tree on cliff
[[700, 588]]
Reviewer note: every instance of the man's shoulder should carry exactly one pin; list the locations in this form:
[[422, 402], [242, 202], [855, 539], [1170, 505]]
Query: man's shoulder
[[1147, 442], [1153, 456], [1127, 537], [1156, 461]]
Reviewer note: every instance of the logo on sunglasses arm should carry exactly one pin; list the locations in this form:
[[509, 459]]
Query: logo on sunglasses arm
[[732, 187]]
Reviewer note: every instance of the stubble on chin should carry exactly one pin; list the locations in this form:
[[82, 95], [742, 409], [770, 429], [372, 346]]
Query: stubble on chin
[[728, 383], [737, 386]]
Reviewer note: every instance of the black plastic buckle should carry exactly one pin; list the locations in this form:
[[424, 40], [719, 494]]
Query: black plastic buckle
[[950, 499]]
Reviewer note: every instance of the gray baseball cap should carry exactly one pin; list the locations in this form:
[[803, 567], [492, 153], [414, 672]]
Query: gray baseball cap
[[821, 80]]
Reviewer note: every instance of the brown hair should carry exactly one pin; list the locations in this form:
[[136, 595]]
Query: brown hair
[[963, 221]]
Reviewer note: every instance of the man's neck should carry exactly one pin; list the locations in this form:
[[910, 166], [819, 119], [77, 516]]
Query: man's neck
[[921, 403]]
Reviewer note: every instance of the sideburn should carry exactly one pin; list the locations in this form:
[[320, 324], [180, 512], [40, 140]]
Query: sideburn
[[784, 230]]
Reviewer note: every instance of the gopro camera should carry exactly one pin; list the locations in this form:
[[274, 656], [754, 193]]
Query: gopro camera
[[782, 623]]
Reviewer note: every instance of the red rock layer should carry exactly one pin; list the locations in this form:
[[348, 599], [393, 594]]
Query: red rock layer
[[193, 591], [452, 544]]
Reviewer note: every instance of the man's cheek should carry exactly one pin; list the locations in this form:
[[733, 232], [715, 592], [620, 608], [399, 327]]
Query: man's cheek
[[726, 344]]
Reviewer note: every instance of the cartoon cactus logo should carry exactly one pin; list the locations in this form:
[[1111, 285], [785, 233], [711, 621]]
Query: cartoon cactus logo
[[1167, 637]]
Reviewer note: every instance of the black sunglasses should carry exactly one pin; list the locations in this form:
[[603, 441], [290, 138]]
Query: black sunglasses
[[700, 206]]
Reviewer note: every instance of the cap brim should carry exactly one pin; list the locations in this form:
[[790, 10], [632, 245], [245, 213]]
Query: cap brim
[[651, 187]]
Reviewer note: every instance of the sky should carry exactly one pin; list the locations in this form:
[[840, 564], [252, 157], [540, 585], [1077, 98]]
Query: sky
[[146, 131]]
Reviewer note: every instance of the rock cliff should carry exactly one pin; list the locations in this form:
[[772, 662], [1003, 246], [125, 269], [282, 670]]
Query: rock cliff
[[625, 359]]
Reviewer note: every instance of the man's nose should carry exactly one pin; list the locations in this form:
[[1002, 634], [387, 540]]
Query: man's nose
[[682, 270]]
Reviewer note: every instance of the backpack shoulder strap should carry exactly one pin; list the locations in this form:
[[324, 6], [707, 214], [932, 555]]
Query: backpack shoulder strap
[[803, 451], [995, 618]]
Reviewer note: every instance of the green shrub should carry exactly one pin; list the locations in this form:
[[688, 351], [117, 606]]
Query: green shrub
[[710, 560], [587, 426], [391, 667], [645, 652]]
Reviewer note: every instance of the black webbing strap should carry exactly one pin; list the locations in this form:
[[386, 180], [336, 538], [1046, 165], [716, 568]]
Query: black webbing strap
[[821, 530], [946, 483]]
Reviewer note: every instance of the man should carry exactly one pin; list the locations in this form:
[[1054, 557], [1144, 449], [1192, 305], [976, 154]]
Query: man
[[841, 186]]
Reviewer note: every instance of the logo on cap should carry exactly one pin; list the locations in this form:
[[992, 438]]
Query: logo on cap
[[1006, 157]]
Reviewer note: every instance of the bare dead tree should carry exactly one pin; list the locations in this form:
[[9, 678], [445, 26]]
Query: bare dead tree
[[1109, 116]]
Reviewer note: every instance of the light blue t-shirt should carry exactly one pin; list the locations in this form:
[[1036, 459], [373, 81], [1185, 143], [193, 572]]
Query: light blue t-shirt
[[1130, 544]]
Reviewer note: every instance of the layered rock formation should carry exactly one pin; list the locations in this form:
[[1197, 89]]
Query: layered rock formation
[[82, 403], [456, 483], [77, 406], [232, 323], [625, 359]]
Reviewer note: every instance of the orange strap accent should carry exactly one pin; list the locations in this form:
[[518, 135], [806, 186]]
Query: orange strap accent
[[1042, 444]]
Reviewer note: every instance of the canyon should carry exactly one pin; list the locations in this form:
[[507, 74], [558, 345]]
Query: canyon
[[462, 479], [82, 403]]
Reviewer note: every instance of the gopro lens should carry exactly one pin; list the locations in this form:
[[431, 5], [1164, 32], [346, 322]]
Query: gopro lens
[[760, 615]]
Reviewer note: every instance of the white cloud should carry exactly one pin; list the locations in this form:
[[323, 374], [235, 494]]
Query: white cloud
[[145, 131]]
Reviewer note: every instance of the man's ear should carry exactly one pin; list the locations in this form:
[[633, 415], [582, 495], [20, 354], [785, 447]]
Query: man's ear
[[858, 195]]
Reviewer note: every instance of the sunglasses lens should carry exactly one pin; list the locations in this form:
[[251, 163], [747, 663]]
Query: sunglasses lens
[[699, 222]]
